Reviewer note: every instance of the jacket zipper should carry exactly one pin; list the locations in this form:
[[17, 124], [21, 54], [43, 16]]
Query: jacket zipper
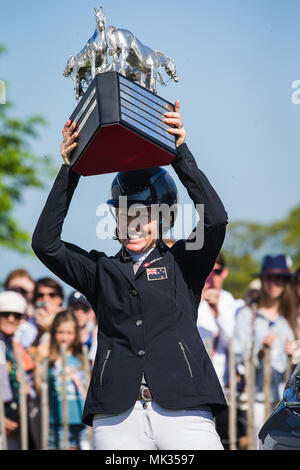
[[186, 359], [104, 364]]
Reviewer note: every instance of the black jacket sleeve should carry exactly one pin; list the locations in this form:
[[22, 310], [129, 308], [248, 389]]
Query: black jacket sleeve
[[70, 263], [197, 263]]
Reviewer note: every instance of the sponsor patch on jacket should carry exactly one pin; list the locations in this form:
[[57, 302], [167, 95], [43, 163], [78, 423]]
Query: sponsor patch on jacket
[[151, 262], [156, 274]]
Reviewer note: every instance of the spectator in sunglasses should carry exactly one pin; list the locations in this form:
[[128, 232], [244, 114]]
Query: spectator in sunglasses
[[216, 317], [48, 298], [20, 281], [12, 309]]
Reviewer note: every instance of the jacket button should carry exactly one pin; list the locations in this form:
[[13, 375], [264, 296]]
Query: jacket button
[[134, 292], [139, 322], [141, 353]]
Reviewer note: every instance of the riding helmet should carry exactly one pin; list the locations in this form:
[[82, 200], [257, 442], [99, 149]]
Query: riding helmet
[[145, 187]]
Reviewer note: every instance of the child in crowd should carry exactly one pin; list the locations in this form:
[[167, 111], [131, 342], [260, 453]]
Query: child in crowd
[[64, 332]]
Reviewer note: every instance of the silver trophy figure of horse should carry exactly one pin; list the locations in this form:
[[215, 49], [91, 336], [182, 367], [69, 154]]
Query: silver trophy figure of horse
[[129, 56], [91, 59], [136, 61], [120, 116]]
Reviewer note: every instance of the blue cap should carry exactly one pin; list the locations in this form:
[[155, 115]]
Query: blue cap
[[77, 298]]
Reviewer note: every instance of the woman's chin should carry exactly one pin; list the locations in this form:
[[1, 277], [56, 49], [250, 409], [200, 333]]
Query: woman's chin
[[136, 245]]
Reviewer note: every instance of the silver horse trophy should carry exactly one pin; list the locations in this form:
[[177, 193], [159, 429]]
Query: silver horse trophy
[[136, 61], [91, 59], [118, 113]]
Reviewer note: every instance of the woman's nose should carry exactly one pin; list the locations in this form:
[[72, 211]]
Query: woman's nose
[[134, 229]]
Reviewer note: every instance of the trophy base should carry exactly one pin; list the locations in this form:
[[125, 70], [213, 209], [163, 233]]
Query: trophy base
[[120, 128], [117, 148]]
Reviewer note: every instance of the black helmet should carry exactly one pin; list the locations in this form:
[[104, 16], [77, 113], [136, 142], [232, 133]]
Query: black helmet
[[147, 186]]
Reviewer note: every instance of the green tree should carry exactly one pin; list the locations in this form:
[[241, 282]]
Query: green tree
[[247, 243], [288, 233], [20, 169]]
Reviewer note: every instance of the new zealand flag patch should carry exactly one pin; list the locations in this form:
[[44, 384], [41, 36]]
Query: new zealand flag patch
[[156, 274]]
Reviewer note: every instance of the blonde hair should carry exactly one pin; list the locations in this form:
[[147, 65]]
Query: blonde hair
[[62, 317], [17, 273]]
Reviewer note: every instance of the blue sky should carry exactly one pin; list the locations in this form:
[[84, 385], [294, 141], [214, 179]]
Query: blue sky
[[236, 61]]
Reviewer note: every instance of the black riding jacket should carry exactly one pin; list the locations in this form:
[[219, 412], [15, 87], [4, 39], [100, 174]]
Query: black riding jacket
[[146, 323]]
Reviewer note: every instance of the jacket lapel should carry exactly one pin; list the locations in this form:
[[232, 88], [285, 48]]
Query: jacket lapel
[[155, 256], [126, 267]]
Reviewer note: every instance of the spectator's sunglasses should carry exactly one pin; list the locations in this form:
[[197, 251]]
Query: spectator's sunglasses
[[17, 316], [218, 271], [20, 290], [41, 295]]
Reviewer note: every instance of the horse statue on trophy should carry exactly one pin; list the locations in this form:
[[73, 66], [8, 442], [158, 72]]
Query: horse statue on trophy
[[136, 61], [91, 59]]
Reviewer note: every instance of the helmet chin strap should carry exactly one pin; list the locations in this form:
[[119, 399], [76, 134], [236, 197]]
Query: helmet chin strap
[[125, 256]]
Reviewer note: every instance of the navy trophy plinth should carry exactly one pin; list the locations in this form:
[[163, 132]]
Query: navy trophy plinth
[[120, 127]]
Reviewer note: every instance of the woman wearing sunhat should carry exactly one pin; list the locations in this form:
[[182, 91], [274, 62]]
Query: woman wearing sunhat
[[272, 324], [153, 385]]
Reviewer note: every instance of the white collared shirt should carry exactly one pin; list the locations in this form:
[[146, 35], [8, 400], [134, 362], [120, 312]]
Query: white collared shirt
[[222, 327]]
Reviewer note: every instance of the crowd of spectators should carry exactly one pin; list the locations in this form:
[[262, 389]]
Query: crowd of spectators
[[36, 321], [36, 318]]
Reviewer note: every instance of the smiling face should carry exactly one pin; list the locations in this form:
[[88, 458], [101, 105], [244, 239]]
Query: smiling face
[[9, 322], [139, 231]]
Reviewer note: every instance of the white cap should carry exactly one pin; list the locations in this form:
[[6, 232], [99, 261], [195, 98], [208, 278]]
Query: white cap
[[11, 301]]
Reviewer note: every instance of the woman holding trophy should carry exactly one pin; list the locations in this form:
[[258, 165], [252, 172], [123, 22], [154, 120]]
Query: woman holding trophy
[[153, 385]]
